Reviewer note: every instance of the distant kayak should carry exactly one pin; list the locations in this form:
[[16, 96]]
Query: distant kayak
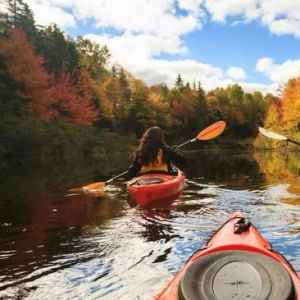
[[150, 187], [236, 263]]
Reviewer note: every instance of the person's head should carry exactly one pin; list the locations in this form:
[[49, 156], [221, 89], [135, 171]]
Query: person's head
[[153, 134], [151, 141]]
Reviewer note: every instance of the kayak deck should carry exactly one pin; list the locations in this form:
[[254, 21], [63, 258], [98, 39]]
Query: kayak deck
[[155, 186], [236, 263]]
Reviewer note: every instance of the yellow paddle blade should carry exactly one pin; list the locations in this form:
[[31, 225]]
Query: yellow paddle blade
[[212, 131]]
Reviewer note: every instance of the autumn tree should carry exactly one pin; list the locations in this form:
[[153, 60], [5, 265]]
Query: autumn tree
[[275, 114], [255, 108], [121, 99], [73, 98], [179, 84], [20, 16], [125, 87], [113, 92], [200, 107], [157, 98], [94, 58], [291, 105], [176, 109], [58, 51], [235, 94], [189, 101], [273, 122], [139, 113], [214, 110], [107, 97], [31, 82]]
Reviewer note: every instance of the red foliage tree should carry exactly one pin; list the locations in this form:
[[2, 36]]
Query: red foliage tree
[[68, 98], [25, 68], [73, 98]]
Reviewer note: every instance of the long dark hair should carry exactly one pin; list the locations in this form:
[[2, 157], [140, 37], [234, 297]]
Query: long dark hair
[[150, 143]]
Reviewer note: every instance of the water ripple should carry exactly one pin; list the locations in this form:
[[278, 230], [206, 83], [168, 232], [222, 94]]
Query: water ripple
[[123, 252]]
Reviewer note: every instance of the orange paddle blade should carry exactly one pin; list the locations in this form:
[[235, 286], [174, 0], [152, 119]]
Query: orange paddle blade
[[212, 131], [95, 192], [94, 186], [75, 190], [90, 188]]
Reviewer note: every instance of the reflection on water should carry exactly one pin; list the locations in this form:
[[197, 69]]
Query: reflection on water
[[57, 245]]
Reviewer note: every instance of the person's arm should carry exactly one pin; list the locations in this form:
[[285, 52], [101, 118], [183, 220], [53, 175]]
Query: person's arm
[[133, 169], [176, 156]]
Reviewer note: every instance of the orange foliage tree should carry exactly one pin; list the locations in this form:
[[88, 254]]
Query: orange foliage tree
[[291, 105]]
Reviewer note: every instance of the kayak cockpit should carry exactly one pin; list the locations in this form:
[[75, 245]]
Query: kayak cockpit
[[236, 275], [147, 181]]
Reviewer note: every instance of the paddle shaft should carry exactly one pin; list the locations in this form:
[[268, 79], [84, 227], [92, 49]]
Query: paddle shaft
[[115, 177], [292, 141], [187, 142]]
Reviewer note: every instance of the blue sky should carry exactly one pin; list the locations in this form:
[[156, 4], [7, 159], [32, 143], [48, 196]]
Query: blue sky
[[253, 43]]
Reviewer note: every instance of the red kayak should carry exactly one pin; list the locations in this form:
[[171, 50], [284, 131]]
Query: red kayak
[[154, 186], [236, 263]]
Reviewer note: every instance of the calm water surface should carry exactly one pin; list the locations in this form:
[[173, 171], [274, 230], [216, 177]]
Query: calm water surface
[[56, 244]]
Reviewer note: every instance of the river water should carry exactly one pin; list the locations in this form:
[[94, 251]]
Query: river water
[[57, 244]]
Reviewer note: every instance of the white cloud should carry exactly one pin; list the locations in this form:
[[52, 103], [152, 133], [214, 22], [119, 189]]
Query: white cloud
[[45, 13], [221, 9], [280, 17], [168, 71], [191, 5], [137, 16], [264, 65], [236, 73], [139, 48], [263, 88], [278, 73], [285, 26]]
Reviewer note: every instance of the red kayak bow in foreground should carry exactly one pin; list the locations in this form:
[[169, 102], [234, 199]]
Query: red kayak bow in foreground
[[236, 263]]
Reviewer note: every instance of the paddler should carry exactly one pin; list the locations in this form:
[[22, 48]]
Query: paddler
[[154, 155]]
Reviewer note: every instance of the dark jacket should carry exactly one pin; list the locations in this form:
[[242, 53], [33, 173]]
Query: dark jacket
[[171, 155]]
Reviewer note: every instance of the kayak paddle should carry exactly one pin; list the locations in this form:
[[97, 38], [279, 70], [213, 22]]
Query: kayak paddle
[[95, 187], [208, 133], [275, 136]]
